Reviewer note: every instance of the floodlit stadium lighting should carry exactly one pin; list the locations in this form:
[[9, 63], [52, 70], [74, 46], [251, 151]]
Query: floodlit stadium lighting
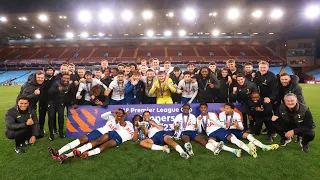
[[127, 15], [106, 15], [276, 13], [43, 17], [23, 18], [312, 12], [69, 35], [257, 14], [3, 19], [84, 35], [233, 13], [167, 33], [214, 14], [170, 14], [150, 33], [215, 32], [147, 14], [189, 14], [182, 33], [84, 16], [100, 34], [38, 36]]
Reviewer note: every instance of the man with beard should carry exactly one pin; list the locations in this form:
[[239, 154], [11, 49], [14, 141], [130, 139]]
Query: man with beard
[[32, 89], [21, 124], [250, 74], [289, 84], [206, 83], [43, 102], [57, 93]]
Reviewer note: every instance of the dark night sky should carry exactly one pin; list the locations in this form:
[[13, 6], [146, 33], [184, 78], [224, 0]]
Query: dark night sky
[[303, 30]]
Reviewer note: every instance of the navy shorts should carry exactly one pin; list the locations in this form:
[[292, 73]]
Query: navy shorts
[[114, 102], [113, 135], [238, 133], [220, 134], [95, 134], [191, 134], [158, 138], [185, 100]]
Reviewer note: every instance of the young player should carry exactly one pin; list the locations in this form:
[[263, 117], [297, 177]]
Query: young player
[[124, 133], [158, 137], [233, 123], [148, 81], [163, 87], [112, 123], [118, 88], [188, 89], [187, 124], [210, 123]]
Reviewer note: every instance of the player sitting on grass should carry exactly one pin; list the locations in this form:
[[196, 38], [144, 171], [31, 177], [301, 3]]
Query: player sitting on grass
[[187, 124], [157, 137], [234, 126], [210, 123], [112, 123]]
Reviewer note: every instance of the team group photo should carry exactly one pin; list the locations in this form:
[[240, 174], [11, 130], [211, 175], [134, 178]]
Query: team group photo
[[154, 90]]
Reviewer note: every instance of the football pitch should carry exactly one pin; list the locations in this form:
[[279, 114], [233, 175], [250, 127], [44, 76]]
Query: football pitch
[[130, 161]]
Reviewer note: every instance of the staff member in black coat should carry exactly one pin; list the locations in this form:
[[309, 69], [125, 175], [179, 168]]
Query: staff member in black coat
[[43, 102], [57, 93], [206, 84], [249, 72], [268, 84], [242, 93], [224, 90], [32, 89], [260, 113], [22, 124], [294, 118], [289, 84]]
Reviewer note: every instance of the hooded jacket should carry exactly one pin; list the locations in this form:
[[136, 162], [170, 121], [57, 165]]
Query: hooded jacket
[[293, 87], [28, 89]]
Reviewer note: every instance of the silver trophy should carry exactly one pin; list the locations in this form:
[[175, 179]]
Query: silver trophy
[[177, 132]]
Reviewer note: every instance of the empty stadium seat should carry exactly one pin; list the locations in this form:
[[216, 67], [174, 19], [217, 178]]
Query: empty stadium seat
[[185, 50], [236, 50], [128, 52], [205, 51]]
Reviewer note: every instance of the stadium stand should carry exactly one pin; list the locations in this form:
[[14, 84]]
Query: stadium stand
[[9, 75]]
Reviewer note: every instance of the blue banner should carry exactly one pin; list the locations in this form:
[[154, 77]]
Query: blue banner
[[85, 119]]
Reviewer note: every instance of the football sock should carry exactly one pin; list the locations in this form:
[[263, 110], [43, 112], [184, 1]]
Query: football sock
[[69, 146], [240, 144], [255, 141], [156, 147], [94, 152]]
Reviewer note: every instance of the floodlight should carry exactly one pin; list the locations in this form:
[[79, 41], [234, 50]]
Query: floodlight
[[84, 35], [69, 35], [38, 36], [150, 33], [215, 32], [182, 33], [312, 12], [106, 15], [257, 14], [233, 13], [127, 15], [276, 13], [147, 15], [167, 33], [43, 17], [189, 14], [84, 16], [100, 34]]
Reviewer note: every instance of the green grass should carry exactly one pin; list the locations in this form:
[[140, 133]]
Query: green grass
[[129, 161]]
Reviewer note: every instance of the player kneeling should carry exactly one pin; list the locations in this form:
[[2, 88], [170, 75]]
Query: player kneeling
[[111, 125], [186, 126], [157, 137], [210, 123], [233, 123]]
